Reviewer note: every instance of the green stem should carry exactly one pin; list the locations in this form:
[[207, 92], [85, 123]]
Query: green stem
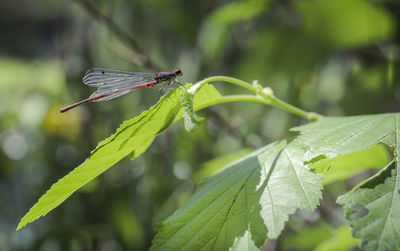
[[263, 95], [231, 98], [295, 110], [228, 80]]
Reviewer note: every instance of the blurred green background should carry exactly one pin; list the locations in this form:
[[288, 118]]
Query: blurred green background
[[335, 57]]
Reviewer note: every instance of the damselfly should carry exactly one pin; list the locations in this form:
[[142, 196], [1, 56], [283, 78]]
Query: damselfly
[[115, 83]]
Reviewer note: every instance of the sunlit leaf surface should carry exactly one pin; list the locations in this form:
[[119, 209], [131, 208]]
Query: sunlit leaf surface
[[251, 198], [254, 196], [132, 138], [372, 208]]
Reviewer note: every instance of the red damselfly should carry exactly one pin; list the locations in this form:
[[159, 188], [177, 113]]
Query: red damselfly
[[115, 83]]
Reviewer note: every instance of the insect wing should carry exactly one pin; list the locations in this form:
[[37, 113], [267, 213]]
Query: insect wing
[[110, 96], [109, 82], [100, 77]]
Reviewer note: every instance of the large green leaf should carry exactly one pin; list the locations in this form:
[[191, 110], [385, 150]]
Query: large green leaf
[[244, 203], [132, 138], [332, 136], [251, 198], [373, 209]]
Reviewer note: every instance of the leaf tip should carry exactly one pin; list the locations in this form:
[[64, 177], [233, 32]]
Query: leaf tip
[[20, 225], [23, 222]]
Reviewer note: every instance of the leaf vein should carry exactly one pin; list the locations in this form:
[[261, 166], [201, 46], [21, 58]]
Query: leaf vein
[[233, 202], [298, 178], [356, 133]]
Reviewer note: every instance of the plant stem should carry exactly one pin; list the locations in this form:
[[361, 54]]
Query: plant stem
[[295, 110], [228, 80], [232, 98], [262, 95]]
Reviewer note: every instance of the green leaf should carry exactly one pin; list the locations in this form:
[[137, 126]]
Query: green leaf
[[134, 135], [345, 166], [251, 198], [244, 242], [333, 136], [373, 210], [372, 207], [132, 138]]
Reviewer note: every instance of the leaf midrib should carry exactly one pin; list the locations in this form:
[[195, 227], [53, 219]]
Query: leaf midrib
[[297, 177]]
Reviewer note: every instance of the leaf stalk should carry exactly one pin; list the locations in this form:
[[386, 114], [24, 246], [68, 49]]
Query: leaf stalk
[[262, 94]]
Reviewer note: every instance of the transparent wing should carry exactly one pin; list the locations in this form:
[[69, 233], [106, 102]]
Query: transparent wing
[[100, 77], [110, 81], [108, 97]]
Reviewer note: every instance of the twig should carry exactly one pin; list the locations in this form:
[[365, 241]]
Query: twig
[[140, 57]]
